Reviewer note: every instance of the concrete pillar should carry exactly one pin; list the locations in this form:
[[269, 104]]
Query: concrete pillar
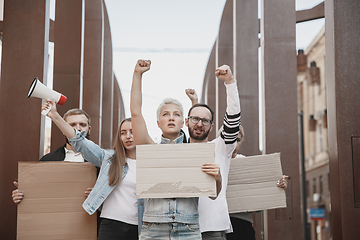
[[108, 82], [246, 45], [342, 91], [93, 65], [246, 71], [68, 59], [224, 55], [280, 123], [24, 57]]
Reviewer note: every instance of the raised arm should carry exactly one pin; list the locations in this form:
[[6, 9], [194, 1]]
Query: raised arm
[[191, 93], [64, 127], [232, 118], [91, 151], [140, 132]]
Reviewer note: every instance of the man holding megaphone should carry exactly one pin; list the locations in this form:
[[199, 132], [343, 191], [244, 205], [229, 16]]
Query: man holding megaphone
[[78, 119]]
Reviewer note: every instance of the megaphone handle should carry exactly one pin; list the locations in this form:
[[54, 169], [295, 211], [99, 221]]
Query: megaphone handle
[[46, 111]]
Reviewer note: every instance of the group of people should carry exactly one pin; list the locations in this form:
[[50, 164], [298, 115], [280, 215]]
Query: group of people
[[122, 215]]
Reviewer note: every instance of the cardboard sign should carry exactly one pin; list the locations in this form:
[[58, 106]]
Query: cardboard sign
[[53, 197], [252, 183], [174, 170]]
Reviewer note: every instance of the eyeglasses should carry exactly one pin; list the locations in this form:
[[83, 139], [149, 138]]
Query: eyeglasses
[[205, 121]]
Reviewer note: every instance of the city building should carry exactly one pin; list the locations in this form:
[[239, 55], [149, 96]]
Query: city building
[[312, 102]]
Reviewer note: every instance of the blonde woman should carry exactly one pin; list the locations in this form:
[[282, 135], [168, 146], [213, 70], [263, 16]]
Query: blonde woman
[[115, 186], [166, 218]]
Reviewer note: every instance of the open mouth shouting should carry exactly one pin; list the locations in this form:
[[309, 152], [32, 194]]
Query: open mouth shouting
[[171, 125], [199, 130]]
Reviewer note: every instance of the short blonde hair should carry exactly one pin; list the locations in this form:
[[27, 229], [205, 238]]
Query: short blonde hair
[[169, 101]]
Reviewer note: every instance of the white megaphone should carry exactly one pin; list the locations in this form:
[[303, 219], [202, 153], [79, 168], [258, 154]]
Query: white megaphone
[[39, 90]]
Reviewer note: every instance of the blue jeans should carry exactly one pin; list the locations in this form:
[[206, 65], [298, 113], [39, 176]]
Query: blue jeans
[[169, 231]]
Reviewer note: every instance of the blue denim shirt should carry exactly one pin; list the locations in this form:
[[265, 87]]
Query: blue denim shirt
[[100, 158], [182, 210]]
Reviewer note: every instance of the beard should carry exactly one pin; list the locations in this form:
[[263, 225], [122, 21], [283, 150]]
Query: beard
[[198, 137]]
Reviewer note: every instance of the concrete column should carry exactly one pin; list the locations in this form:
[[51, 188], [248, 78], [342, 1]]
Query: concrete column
[[68, 59], [280, 123], [93, 65], [24, 57], [246, 45], [246, 70], [108, 82], [224, 55], [342, 91]]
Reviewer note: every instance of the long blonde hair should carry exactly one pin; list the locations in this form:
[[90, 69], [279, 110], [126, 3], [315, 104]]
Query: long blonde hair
[[119, 157]]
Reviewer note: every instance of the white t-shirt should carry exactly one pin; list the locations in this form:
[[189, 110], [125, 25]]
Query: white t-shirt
[[214, 214], [121, 204], [71, 156]]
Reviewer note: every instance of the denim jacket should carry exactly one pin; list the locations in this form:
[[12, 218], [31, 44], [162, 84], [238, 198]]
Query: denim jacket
[[100, 158], [183, 210]]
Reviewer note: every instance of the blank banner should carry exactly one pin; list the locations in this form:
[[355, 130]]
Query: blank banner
[[252, 183], [174, 170], [53, 197]]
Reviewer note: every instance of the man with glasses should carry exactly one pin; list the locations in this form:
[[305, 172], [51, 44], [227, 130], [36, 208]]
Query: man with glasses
[[213, 214]]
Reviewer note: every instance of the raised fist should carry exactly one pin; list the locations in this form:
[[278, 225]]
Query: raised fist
[[142, 66], [191, 93], [224, 73]]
